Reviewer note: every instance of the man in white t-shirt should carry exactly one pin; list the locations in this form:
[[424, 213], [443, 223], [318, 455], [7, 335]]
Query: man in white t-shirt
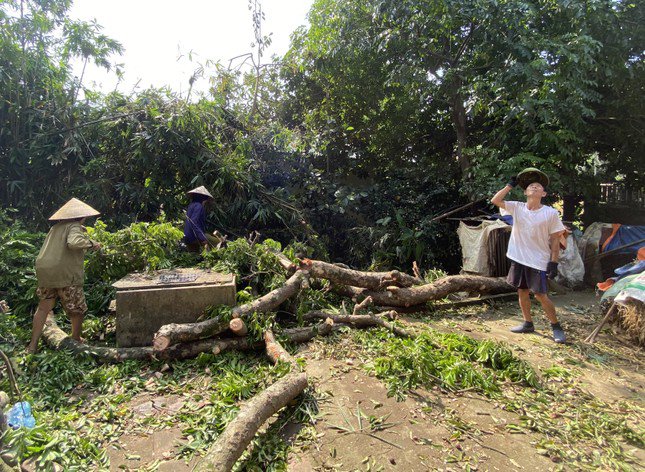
[[534, 247]]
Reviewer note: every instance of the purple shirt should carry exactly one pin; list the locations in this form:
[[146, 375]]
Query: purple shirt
[[195, 224]]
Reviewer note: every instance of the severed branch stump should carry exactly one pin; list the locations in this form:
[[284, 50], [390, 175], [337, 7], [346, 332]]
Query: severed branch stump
[[275, 351]]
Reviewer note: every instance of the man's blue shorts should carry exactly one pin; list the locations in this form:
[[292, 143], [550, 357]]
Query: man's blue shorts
[[524, 277]]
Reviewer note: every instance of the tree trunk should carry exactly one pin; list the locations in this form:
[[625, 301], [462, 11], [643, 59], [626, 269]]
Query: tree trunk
[[569, 203], [58, 339], [355, 278], [406, 297], [459, 123], [230, 445]]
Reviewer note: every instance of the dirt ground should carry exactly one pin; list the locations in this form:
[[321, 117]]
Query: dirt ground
[[360, 428]]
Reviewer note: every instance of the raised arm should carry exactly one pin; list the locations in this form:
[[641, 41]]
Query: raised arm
[[498, 199]]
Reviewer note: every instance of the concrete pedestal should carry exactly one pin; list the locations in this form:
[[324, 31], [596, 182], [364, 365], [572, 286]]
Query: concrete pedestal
[[145, 302]]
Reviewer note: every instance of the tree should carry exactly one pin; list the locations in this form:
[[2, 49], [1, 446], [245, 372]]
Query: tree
[[40, 139]]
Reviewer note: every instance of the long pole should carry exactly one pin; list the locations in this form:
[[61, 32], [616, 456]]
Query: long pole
[[602, 254], [463, 207]]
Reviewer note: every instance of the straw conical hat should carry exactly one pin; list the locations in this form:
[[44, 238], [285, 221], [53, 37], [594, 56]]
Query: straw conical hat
[[74, 209], [200, 191], [530, 175]]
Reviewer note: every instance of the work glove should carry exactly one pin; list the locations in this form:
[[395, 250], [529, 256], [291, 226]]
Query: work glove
[[512, 181], [552, 270]]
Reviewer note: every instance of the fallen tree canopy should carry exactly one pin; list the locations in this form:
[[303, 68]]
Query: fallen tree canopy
[[218, 335]]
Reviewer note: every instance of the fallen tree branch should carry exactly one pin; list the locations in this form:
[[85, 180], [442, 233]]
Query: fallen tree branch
[[362, 321], [285, 262], [356, 278], [307, 333], [274, 298], [230, 445], [175, 333], [406, 297], [58, 339]]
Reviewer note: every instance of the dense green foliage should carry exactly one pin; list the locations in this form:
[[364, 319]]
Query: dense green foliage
[[382, 115]]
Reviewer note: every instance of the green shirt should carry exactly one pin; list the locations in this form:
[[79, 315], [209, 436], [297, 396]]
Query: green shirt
[[60, 261]]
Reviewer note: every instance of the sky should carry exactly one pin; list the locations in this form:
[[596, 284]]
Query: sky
[[159, 35]]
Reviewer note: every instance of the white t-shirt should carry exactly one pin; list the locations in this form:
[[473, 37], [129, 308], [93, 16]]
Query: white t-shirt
[[530, 242]]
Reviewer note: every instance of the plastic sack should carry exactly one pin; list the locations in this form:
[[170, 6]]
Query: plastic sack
[[20, 415]]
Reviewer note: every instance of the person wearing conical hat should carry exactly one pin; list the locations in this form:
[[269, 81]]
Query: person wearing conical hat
[[195, 236], [534, 247], [59, 268]]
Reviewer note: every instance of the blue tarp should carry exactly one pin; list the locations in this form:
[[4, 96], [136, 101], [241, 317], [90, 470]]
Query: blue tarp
[[627, 234]]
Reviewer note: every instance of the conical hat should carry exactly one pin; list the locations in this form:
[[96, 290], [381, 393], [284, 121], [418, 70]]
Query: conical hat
[[530, 175], [200, 191], [74, 209]]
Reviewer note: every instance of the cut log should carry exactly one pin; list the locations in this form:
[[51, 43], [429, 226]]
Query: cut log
[[274, 298], [356, 278], [275, 351], [230, 445], [58, 339], [362, 321], [175, 333], [406, 297], [238, 326]]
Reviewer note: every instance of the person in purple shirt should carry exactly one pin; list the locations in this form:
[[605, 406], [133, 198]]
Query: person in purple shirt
[[195, 236]]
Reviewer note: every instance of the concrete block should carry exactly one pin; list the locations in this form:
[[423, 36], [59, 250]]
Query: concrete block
[[145, 302]]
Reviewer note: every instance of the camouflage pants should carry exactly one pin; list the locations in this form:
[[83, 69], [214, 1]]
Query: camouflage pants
[[71, 298]]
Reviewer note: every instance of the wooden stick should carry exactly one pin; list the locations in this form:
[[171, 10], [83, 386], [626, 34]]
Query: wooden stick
[[463, 207], [592, 337], [603, 254]]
